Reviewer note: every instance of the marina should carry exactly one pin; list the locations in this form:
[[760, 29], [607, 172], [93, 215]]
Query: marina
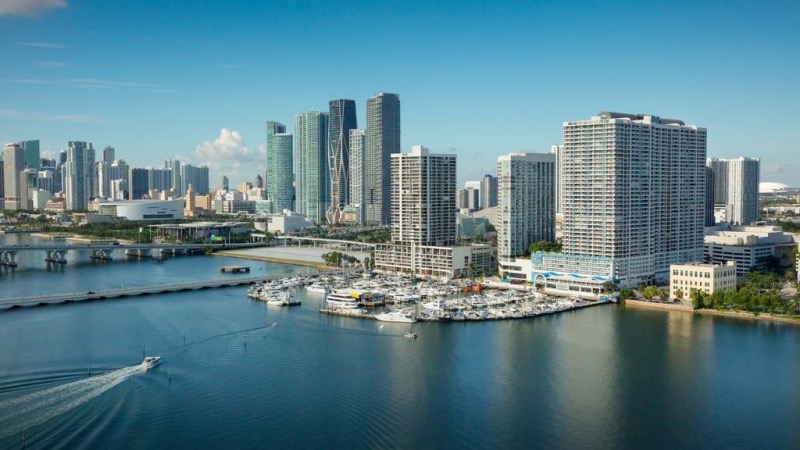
[[410, 300]]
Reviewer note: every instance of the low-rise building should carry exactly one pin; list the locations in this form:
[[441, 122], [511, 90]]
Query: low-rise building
[[287, 223], [704, 277], [143, 209], [434, 261], [748, 246]]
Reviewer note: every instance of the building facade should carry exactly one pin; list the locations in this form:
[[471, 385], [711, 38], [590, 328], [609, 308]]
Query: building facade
[[280, 167], [312, 175], [79, 175], [744, 174], [748, 246], [13, 165], [358, 140], [719, 167], [488, 191], [526, 203], [32, 154], [383, 140], [633, 191], [138, 187], [342, 120], [703, 277]]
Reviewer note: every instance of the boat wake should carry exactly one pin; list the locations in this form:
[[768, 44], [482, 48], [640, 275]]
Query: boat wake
[[21, 413]]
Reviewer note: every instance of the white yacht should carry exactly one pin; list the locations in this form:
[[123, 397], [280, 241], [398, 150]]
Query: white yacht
[[396, 316], [317, 289], [337, 300], [151, 361]]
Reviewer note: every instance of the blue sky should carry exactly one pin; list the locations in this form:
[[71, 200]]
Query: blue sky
[[198, 79]]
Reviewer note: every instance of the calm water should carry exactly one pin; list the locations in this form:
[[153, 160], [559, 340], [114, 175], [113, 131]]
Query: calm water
[[252, 376]]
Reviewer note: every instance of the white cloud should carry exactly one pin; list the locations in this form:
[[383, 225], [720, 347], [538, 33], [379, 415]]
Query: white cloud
[[53, 64], [39, 44], [29, 7], [229, 155]]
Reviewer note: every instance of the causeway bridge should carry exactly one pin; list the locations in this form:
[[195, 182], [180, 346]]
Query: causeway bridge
[[56, 251], [132, 291]]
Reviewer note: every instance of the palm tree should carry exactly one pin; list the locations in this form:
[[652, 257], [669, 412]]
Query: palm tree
[[679, 294], [650, 292]]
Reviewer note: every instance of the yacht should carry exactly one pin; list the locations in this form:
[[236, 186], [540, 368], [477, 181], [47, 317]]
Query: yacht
[[151, 361], [283, 299], [336, 300], [317, 289], [396, 316]]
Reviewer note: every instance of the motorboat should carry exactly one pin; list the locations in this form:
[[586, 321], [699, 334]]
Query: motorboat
[[410, 335], [396, 316], [317, 289], [151, 361]]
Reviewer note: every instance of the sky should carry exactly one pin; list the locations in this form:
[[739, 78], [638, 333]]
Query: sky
[[197, 80]]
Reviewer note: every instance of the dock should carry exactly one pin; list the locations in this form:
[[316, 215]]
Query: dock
[[235, 269]]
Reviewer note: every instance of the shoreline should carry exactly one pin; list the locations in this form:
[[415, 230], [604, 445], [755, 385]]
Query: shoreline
[[293, 262], [713, 312]]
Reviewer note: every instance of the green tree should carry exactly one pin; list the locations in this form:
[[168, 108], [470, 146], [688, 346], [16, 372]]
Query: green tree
[[679, 294], [650, 292]]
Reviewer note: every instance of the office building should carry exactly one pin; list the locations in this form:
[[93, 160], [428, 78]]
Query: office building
[[197, 177], [488, 191], [79, 175], [748, 246], [744, 174], [311, 152], [342, 118], [174, 165], [720, 169], [703, 277], [461, 199], [160, 178], [258, 182], [555, 150], [280, 167], [526, 202], [32, 154], [383, 140], [138, 184], [109, 155], [358, 167], [633, 191], [13, 165]]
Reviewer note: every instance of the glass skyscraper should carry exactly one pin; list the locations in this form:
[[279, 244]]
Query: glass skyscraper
[[342, 120], [280, 166], [383, 140], [311, 151]]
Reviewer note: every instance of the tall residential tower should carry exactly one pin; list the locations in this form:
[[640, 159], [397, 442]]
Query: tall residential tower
[[383, 140], [342, 120], [280, 164], [311, 153]]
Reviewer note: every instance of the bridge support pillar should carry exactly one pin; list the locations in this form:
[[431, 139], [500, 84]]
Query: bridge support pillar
[[8, 258], [139, 252], [56, 256]]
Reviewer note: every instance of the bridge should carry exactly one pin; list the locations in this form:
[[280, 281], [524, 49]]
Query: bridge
[[132, 291], [56, 251]]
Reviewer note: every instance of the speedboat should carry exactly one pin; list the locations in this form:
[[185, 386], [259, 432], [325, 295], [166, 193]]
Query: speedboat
[[151, 361], [317, 289], [410, 335]]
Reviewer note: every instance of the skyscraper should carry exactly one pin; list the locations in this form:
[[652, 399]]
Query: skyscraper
[[13, 165], [32, 155], [79, 175], [109, 154], [138, 187], [280, 165], [423, 198], [160, 178], [744, 174], [358, 144], [342, 120], [311, 151], [710, 220], [555, 150], [196, 176], [488, 191], [526, 202], [383, 140], [175, 166], [633, 201], [720, 169]]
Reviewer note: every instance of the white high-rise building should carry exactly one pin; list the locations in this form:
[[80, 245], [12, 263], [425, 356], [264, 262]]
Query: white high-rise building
[[311, 158], [526, 202], [633, 202], [358, 158], [555, 150], [79, 175], [423, 197], [744, 174]]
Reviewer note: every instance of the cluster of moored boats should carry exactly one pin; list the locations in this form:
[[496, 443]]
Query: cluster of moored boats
[[355, 295]]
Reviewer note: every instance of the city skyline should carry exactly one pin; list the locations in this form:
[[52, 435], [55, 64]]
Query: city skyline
[[199, 93]]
